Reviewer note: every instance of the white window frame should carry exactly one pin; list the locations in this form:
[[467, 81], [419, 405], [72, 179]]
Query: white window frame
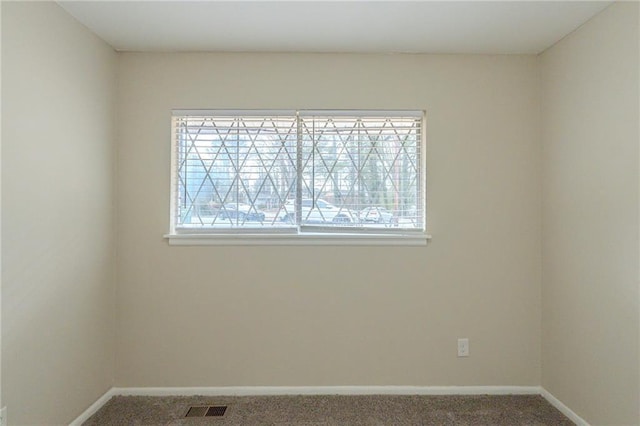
[[300, 235]]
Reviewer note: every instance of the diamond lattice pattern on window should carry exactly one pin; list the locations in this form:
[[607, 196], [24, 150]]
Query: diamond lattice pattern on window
[[234, 171], [361, 172]]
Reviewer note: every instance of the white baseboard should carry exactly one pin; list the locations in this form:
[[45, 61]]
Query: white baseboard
[[579, 421], [331, 390], [93, 408]]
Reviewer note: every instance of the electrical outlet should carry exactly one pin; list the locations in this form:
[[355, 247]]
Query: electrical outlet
[[463, 347], [3, 416]]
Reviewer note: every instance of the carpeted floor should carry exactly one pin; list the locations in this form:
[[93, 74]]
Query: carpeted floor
[[494, 410]]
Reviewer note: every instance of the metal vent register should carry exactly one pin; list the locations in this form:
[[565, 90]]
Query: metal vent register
[[206, 411]]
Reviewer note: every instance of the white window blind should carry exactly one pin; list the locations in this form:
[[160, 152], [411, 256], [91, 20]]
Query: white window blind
[[297, 172]]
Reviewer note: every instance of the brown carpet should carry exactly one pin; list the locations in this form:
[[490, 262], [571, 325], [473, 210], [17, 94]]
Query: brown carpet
[[494, 410]]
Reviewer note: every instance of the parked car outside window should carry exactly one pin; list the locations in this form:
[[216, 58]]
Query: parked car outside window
[[241, 212], [317, 213], [377, 215]]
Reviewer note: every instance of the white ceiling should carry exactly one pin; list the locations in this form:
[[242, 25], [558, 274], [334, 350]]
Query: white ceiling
[[333, 26]]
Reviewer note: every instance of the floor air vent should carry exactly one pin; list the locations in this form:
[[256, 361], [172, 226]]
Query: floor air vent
[[217, 411], [206, 411]]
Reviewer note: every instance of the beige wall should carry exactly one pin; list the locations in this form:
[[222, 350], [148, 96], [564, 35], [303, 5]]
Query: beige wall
[[57, 221], [1, 400], [215, 316], [590, 219]]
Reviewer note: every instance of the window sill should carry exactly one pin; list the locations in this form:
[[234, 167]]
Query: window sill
[[297, 240]]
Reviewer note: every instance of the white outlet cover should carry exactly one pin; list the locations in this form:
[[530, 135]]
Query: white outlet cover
[[3, 416], [463, 347]]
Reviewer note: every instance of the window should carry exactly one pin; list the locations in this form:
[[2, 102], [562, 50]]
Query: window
[[302, 173]]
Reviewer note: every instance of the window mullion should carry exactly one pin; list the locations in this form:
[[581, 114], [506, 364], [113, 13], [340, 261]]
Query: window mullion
[[299, 161]]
